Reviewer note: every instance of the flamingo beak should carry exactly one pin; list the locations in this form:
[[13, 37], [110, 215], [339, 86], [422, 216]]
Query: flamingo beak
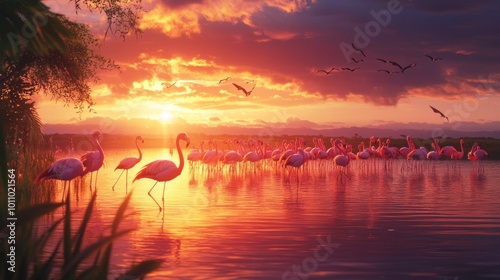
[[187, 144]]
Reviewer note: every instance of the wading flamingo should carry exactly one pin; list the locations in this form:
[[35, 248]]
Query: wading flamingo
[[164, 170], [459, 155], [65, 169], [434, 155], [92, 161], [129, 162], [342, 159], [296, 160], [477, 154]]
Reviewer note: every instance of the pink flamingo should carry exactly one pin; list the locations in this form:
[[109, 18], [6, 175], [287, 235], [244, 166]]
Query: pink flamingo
[[405, 150], [296, 160], [332, 151], [363, 153], [459, 155], [434, 155], [211, 157], [342, 159], [65, 169], [196, 155], [164, 170], [128, 163], [477, 154], [447, 151], [93, 161]]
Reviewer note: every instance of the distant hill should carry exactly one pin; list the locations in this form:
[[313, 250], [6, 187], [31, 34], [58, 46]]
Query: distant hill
[[393, 130]]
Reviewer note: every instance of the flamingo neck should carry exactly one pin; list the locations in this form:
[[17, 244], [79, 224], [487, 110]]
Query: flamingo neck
[[139, 149], [179, 152], [99, 147]]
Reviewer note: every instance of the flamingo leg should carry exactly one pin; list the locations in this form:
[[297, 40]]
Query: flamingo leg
[[152, 188], [91, 181], [126, 181], [163, 196], [97, 173], [118, 179], [156, 202], [64, 191], [149, 193]]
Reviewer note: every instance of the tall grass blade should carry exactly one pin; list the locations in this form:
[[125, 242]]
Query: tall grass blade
[[83, 225], [46, 269], [120, 214], [92, 248], [32, 213]]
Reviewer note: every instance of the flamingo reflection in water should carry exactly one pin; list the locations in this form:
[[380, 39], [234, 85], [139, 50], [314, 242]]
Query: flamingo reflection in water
[[164, 170]]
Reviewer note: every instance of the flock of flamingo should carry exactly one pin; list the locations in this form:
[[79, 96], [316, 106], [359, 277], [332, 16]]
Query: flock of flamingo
[[251, 154]]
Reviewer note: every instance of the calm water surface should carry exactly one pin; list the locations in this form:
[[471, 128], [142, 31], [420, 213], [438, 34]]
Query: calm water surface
[[440, 223]]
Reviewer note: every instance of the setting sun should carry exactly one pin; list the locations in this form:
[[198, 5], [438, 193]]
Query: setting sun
[[166, 117]]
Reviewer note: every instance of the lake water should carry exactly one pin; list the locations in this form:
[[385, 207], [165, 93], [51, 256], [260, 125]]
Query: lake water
[[442, 222]]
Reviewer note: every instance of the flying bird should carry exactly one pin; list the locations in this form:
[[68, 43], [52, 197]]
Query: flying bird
[[434, 58], [358, 50], [396, 64], [327, 72], [169, 85], [388, 72], [223, 80], [247, 93], [350, 69], [439, 112], [408, 67], [383, 60], [403, 69], [357, 61]]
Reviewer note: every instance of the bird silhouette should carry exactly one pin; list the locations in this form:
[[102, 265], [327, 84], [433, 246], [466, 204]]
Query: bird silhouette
[[350, 69], [247, 93], [358, 50], [439, 112], [434, 58], [383, 60], [357, 61], [327, 72], [169, 85], [164, 170], [223, 80], [408, 67], [128, 163], [388, 72]]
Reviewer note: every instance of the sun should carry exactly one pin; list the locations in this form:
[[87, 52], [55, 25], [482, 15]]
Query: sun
[[166, 117]]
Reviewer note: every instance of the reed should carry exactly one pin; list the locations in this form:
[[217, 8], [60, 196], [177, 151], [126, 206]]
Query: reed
[[35, 257]]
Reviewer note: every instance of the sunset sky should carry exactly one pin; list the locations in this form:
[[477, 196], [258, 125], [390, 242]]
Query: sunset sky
[[278, 47]]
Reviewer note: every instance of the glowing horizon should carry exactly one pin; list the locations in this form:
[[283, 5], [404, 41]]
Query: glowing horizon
[[179, 68]]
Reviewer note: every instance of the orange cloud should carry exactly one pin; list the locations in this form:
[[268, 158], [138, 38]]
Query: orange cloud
[[185, 20]]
